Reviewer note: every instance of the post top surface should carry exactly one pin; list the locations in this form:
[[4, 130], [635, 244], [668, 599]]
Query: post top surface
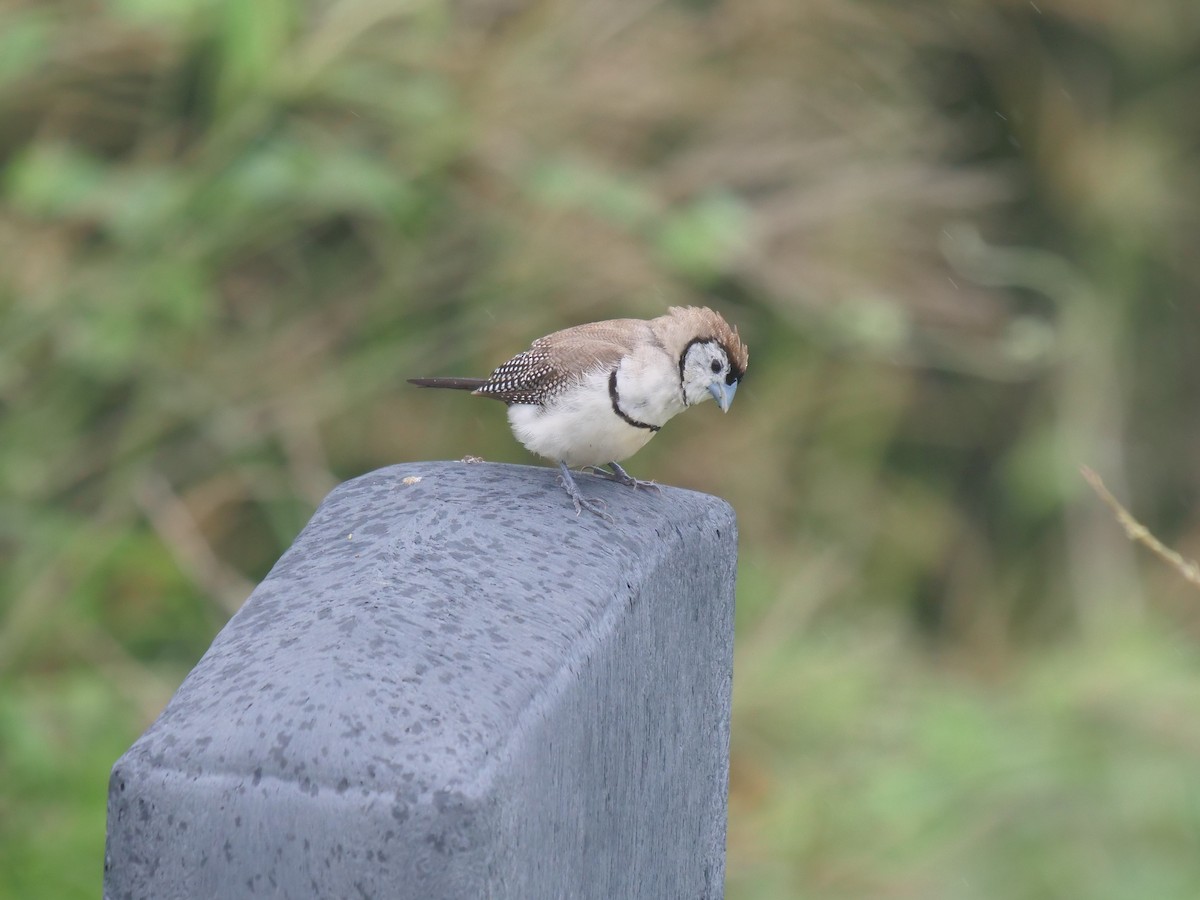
[[410, 587]]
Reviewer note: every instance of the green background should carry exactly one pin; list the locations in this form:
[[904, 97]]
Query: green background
[[960, 239]]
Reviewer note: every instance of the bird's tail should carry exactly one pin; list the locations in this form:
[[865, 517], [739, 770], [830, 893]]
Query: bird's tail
[[454, 384]]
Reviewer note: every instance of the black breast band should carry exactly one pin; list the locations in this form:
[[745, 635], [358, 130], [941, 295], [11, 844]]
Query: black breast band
[[616, 405]]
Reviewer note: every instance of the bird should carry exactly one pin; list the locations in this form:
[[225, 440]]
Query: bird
[[590, 396]]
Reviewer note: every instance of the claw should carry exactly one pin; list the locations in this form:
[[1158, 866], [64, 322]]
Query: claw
[[593, 505], [620, 476]]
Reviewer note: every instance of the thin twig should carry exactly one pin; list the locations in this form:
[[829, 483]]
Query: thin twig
[[1139, 533], [171, 519]]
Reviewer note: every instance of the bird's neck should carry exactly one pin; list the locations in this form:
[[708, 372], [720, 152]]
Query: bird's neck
[[647, 388]]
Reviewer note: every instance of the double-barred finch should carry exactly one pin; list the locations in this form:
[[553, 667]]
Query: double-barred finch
[[595, 394]]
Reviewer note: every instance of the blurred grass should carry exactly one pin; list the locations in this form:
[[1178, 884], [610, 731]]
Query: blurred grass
[[958, 238], [861, 769]]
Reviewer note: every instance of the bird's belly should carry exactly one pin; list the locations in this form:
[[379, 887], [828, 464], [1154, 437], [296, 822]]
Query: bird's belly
[[582, 432]]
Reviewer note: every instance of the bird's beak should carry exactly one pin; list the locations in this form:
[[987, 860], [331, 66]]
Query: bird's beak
[[723, 393]]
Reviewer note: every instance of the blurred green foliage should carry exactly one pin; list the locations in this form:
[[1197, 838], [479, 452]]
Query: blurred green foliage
[[958, 236]]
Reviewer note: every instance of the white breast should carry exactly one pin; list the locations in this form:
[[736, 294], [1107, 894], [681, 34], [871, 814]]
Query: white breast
[[579, 427]]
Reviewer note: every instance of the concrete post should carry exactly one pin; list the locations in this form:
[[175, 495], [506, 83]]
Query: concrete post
[[450, 686]]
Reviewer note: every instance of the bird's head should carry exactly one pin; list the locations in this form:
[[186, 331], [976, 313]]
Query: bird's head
[[712, 357], [706, 371]]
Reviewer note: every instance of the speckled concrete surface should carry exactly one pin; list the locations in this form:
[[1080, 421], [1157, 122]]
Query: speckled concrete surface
[[452, 686]]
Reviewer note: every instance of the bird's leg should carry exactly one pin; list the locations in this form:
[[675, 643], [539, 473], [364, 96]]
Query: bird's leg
[[620, 476], [581, 502]]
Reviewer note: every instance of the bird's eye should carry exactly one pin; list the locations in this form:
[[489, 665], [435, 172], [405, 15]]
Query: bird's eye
[[716, 365]]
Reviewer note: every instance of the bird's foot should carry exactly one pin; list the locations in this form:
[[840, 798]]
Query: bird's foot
[[620, 476], [591, 504]]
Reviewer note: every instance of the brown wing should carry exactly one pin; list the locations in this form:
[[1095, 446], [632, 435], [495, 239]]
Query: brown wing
[[563, 358]]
